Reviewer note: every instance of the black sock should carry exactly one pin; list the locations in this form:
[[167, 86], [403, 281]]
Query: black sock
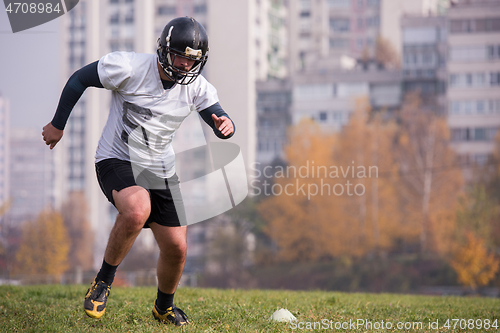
[[164, 301], [107, 273]]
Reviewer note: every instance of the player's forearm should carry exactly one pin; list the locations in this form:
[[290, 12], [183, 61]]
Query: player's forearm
[[73, 90], [219, 112]]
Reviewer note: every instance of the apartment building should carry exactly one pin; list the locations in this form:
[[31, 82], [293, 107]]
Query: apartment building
[[474, 78]]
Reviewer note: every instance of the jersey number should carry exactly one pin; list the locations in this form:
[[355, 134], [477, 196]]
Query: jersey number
[[144, 113]]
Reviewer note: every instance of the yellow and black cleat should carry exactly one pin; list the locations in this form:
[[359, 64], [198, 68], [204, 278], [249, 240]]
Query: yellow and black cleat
[[96, 298], [172, 315]]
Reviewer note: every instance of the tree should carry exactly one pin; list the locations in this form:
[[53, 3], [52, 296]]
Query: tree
[[3, 241], [44, 247], [474, 265], [292, 220], [474, 238], [367, 143], [386, 54], [477, 214], [229, 253], [74, 212], [344, 208], [431, 182]]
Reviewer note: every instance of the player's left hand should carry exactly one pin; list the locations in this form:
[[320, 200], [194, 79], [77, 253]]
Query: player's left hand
[[223, 124]]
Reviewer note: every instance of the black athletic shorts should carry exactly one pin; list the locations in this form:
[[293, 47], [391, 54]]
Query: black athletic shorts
[[116, 174]]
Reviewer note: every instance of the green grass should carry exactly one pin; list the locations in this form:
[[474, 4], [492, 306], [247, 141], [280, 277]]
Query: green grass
[[57, 308]]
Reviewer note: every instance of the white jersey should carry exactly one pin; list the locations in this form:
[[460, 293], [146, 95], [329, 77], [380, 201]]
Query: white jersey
[[144, 116]]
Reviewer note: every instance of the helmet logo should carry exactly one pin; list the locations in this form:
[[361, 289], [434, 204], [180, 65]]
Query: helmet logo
[[192, 52], [167, 39]]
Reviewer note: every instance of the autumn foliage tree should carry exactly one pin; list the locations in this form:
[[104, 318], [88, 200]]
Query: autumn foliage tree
[[75, 212], [373, 218], [473, 252], [386, 54], [296, 223], [4, 207], [345, 209], [44, 247], [474, 264], [430, 182]]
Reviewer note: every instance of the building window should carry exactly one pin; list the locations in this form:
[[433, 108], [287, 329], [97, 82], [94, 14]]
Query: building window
[[428, 58], [480, 107], [468, 107], [373, 3], [494, 52], [115, 32], [494, 78], [474, 107], [481, 159], [473, 134], [305, 24], [339, 24], [454, 108], [167, 10], [305, 4], [304, 43], [480, 134], [359, 43], [277, 147], [468, 79], [323, 116], [475, 25], [129, 18], [468, 53], [129, 46], [114, 46], [312, 91], [414, 59], [200, 9], [338, 117], [360, 23], [114, 18], [338, 43], [473, 79], [373, 21], [459, 134], [338, 3], [424, 35]]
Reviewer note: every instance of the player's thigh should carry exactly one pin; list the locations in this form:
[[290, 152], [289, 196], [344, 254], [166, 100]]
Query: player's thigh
[[170, 239], [133, 200]]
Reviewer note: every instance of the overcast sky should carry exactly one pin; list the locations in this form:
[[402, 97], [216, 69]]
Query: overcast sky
[[29, 72]]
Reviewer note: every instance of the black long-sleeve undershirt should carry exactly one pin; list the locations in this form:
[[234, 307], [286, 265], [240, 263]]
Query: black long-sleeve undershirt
[[80, 80], [88, 77], [216, 109]]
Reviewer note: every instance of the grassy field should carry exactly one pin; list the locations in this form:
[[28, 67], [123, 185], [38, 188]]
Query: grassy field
[[59, 308]]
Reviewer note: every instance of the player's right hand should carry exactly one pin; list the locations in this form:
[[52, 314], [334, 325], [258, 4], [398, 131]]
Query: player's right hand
[[51, 135]]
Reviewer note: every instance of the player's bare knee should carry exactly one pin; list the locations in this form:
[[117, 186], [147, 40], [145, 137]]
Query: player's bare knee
[[175, 251], [135, 217], [177, 255], [181, 251]]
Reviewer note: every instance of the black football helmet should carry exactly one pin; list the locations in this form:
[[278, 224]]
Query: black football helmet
[[183, 37]]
